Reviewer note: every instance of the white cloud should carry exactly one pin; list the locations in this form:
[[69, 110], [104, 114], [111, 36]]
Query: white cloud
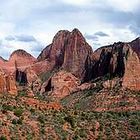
[[6, 28], [43, 18], [77, 2], [124, 5]]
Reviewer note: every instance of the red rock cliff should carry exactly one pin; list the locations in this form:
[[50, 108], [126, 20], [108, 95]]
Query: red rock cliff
[[70, 51]]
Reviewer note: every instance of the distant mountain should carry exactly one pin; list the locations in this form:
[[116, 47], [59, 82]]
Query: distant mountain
[[21, 58], [70, 92], [70, 52]]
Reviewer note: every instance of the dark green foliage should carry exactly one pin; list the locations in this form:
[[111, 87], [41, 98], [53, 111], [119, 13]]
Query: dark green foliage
[[76, 137], [41, 119], [17, 121], [70, 120], [22, 93], [18, 112], [32, 110], [45, 76], [14, 121], [3, 138], [82, 133], [7, 107], [69, 123]]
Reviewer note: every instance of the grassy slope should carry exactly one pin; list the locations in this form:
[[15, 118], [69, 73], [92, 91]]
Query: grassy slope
[[21, 121], [98, 99]]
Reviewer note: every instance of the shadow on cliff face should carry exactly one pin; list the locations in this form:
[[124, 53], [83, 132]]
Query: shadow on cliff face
[[111, 62], [49, 86], [120, 68], [21, 78], [88, 70]]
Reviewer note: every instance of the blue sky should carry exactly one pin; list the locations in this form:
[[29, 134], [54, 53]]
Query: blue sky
[[32, 24]]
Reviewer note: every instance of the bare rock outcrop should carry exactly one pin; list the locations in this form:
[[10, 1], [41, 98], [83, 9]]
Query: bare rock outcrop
[[119, 60], [21, 58], [63, 84], [131, 78], [7, 84], [71, 52], [72, 56]]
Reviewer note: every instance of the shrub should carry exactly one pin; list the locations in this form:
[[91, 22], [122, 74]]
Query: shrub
[[76, 137], [32, 110], [45, 76], [70, 120], [22, 93], [7, 107], [41, 119], [3, 138], [82, 133], [17, 121], [14, 121], [18, 112]]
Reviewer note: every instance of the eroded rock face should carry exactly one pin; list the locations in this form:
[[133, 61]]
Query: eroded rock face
[[77, 54], [21, 58], [55, 51], [62, 84], [135, 45], [41, 67], [21, 77], [36, 86], [70, 51], [18, 59], [131, 77], [7, 84], [11, 85], [119, 60], [110, 60], [2, 84]]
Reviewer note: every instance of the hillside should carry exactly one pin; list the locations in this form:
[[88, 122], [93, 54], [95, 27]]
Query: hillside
[[70, 92]]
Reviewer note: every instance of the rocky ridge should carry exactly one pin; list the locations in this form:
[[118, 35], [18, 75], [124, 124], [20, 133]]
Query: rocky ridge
[[67, 50], [70, 52], [70, 92]]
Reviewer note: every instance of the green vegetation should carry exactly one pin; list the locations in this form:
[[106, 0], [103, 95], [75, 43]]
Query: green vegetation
[[22, 93], [6, 107], [18, 112], [79, 121], [3, 138], [70, 120], [41, 119], [46, 75], [17, 121]]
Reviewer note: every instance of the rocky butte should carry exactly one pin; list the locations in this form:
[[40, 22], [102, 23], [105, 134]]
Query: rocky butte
[[70, 52], [71, 92]]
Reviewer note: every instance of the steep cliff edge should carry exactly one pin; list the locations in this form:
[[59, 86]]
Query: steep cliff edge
[[21, 58], [119, 60], [70, 51]]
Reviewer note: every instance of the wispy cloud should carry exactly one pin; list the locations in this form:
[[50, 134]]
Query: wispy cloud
[[22, 38], [31, 24], [101, 34], [9, 38], [91, 37], [25, 38]]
